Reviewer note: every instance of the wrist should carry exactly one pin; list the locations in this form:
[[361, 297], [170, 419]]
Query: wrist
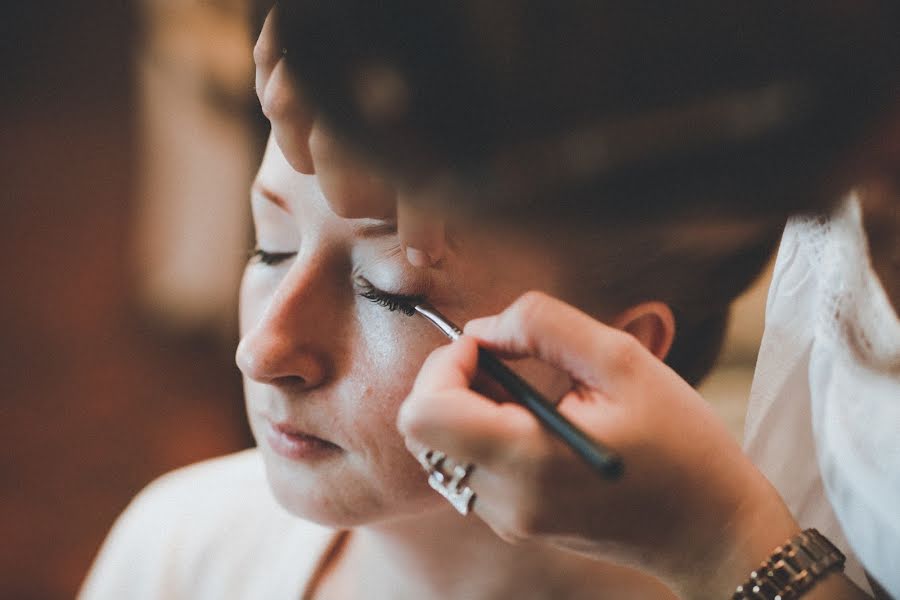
[[742, 542], [793, 569]]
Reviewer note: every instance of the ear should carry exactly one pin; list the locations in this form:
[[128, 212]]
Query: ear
[[652, 323]]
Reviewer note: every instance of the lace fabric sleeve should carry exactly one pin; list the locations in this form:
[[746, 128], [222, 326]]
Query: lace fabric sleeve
[[824, 416]]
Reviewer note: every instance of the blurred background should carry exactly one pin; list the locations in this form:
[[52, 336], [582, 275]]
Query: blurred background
[[130, 134]]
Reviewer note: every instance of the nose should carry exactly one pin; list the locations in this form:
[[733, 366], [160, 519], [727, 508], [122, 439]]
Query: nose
[[286, 339]]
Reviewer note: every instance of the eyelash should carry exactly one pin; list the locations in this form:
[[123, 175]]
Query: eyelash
[[392, 302], [270, 258]]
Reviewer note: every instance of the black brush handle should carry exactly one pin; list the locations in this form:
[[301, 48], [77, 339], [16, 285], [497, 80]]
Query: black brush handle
[[603, 460]]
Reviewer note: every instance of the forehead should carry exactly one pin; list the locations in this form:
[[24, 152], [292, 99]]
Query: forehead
[[486, 262]]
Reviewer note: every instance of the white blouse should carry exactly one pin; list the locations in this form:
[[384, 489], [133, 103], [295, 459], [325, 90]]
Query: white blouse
[[823, 422], [209, 531]]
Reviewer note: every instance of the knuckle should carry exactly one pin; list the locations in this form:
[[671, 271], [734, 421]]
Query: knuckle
[[526, 312], [281, 99], [265, 54], [625, 352], [289, 136], [276, 104], [261, 52], [530, 305]]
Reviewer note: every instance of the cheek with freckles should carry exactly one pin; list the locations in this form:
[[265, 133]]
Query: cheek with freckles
[[381, 479], [375, 478], [389, 350]]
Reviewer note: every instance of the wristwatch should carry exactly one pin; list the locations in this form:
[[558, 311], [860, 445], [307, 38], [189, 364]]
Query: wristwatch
[[792, 569]]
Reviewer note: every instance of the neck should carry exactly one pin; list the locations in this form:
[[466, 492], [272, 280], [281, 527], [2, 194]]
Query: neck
[[440, 554]]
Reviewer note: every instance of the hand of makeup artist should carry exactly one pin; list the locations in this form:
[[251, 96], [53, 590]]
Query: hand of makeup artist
[[350, 185], [690, 509]]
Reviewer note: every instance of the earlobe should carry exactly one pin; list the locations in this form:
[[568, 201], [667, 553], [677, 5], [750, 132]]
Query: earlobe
[[651, 323]]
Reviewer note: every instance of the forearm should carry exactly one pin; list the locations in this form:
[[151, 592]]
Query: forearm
[[759, 534], [835, 586], [722, 584]]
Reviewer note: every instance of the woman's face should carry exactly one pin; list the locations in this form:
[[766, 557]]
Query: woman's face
[[327, 364]]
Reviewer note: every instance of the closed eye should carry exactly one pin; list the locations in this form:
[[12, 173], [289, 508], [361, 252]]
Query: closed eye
[[392, 302], [270, 258]]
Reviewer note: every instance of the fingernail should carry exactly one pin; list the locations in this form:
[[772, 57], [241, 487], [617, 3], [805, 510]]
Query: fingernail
[[475, 325], [417, 258]]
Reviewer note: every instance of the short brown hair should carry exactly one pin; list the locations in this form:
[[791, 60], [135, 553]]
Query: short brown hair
[[697, 268], [612, 106]]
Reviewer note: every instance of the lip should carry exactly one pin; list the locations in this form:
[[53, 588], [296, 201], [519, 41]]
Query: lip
[[289, 442]]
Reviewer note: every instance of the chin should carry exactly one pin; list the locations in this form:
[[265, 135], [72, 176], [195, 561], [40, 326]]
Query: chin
[[312, 495], [315, 509], [336, 501]]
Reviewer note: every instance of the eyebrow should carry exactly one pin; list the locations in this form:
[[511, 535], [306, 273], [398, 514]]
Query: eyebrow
[[271, 196], [368, 230]]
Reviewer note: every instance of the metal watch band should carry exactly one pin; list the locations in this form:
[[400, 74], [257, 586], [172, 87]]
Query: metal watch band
[[792, 569]]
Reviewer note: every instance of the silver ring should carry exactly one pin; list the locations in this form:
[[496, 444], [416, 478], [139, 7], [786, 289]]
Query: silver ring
[[450, 486]]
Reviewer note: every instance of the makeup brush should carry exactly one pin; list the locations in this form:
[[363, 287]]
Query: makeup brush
[[606, 462]]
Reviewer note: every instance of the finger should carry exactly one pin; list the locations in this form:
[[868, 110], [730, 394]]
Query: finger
[[455, 366], [421, 234], [448, 367], [507, 463], [495, 500], [537, 325], [266, 53], [466, 426], [291, 118], [351, 187], [493, 493]]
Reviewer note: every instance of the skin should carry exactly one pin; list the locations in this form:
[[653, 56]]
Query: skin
[[690, 509], [522, 508], [318, 356], [352, 187], [355, 190]]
